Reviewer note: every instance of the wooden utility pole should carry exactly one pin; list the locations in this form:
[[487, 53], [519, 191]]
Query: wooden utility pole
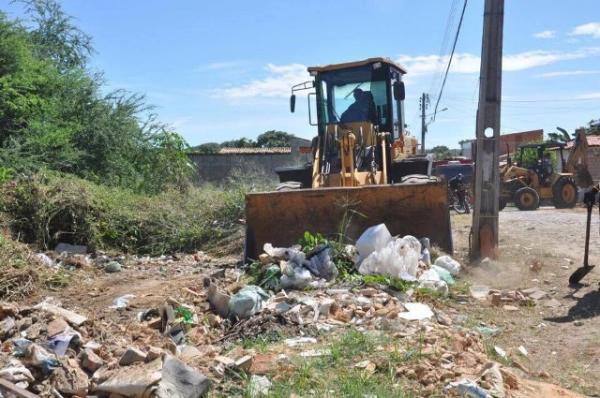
[[423, 103], [487, 175]]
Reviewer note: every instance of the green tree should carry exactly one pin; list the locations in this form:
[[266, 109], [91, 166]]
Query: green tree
[[273, 139], [208, 148]]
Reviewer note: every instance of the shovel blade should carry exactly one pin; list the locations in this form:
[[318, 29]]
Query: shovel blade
[[579, 274]]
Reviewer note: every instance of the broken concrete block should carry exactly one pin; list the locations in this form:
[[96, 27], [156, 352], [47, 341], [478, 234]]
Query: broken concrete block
[[132, 355], [90, 361], [132, 381], [181, 381], [69, 379], [7, 327], [259, 386], [55, 327], [153, 353], [70, 316]]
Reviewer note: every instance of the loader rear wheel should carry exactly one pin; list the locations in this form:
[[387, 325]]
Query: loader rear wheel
[[527, 199], [564, 194]]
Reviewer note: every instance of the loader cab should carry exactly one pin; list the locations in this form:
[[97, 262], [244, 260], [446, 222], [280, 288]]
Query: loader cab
[[369, 92]]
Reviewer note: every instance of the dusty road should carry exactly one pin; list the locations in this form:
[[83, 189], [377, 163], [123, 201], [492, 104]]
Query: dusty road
[[562, 332]]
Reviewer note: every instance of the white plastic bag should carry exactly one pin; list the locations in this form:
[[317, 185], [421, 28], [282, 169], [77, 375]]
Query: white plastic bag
[[449, 264], [398, 259], [373, 239]]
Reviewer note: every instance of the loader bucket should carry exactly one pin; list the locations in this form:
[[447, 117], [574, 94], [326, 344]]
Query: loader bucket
[[281, 218]]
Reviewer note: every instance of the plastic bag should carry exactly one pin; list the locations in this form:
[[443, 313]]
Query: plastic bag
[[425, 251], [321, 265], [444, 274], [295, 277], [397, 259], [449, 264], [247, 302], [373, 239]]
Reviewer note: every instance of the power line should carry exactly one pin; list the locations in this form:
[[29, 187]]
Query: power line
[[462, 15], [443, 50]]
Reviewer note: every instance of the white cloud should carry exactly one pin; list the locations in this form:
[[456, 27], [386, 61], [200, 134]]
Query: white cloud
[[280, 78], [278, 83], [589, 96], [220, 65], [545, 34], [569, 73], [470, 63], [588, 29]]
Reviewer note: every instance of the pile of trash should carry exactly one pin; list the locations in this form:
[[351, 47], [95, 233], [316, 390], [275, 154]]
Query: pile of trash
[[51, 351], [376, 253]]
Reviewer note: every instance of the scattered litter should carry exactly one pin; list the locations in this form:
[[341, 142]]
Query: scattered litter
[[321, 265], [113, 266], [523, 351], [122, 301], [510, 308], [259, 386], [397, 259], [416, 312], [247, 302], [366, 365], [71, 249], [61, 342], [467, 388], [298, 341], [373, 239], [500, 351], [47, 261], [449, 264], [315, 353], [488, 331]]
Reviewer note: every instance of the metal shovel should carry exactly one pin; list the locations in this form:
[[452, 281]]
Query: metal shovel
[[581, 272]]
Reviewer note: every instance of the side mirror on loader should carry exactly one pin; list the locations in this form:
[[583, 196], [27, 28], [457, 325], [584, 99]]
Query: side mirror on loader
[[293, 103], [399, 91]]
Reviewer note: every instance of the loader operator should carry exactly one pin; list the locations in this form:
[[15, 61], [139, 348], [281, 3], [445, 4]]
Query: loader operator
[[546, 169], [363, 108]]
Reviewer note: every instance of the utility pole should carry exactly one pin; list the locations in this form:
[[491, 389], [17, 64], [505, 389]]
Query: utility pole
[[487, 176], [423, 104]]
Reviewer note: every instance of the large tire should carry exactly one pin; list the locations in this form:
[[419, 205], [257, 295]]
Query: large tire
[[564, 194], [527, 199]]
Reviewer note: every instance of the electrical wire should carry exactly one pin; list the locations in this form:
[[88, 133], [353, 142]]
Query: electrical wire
[[462, 15]]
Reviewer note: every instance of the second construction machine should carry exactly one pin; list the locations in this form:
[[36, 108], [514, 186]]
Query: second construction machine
[[527, 184], [364, 165]]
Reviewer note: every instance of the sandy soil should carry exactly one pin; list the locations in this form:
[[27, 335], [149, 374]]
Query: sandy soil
[[562, 332]]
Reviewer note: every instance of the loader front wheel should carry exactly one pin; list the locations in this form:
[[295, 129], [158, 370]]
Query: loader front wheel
[[527, 199], [564, 194]]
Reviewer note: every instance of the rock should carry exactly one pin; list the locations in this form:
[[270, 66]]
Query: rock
[[244, 362], [496, 299], [219, 302], [510, 308], [132, 355], [55, 327], [90, 361], [71, 249], [153, 353], [578, 323], [189, 353], [132, 381], [181, 381], [113, 266], [69, 379], [70, 316], [552, 303], [442, 318], [7, 327], [265, 259]]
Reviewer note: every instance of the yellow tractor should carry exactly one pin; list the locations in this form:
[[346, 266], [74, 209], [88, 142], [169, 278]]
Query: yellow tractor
[[364, 165], [529, 182]]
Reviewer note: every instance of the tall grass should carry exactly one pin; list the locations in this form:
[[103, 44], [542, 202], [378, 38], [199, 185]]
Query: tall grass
[[50, 208]]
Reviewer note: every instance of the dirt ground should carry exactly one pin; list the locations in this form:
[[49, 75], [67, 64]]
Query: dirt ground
[[562, 332]]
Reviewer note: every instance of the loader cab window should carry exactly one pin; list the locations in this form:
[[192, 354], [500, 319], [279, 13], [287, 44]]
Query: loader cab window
[[397, 110], [355, 95]]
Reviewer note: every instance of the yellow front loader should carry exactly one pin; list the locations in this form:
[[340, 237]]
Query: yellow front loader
[[364, 165]]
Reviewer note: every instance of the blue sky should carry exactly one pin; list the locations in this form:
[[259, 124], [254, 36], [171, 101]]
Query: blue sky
[[218, 70]]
